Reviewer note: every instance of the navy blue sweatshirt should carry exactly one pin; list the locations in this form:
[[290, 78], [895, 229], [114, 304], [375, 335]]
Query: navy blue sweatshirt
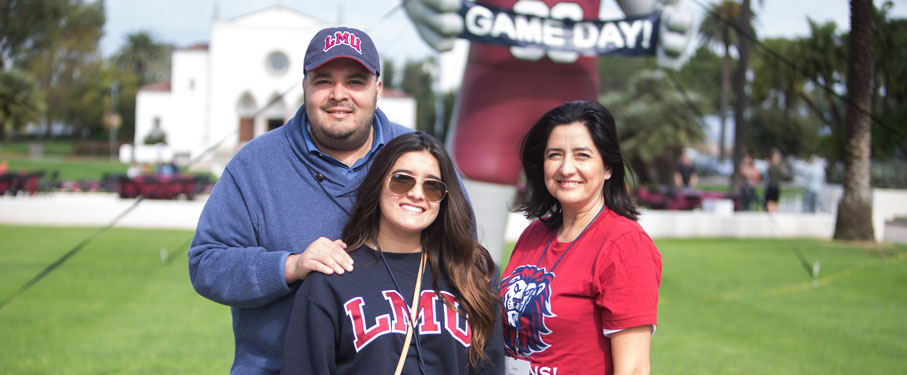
[[355, 323]]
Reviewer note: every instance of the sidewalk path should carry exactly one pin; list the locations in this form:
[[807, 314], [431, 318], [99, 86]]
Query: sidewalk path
[[98, 209]]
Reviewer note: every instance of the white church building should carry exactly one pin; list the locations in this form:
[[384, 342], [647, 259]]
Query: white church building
[[246, 81]]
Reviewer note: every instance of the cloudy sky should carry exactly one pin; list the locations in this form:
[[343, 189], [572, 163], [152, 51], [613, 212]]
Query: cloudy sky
[[185, 22]]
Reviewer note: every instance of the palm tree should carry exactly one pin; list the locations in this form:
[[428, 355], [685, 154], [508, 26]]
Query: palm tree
[[143, 56], [716, 29], [777, 118], [823, 57], [655, 124], [775, 82], [854, 221], [744, 46]]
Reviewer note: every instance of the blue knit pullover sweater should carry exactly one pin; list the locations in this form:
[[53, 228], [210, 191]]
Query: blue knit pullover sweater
[[277, 195]]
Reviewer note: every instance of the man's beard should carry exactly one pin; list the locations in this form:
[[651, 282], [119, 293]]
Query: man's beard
[[344, 139], [341, 137]]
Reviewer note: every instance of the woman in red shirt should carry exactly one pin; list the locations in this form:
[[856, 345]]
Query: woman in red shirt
[[580, 293]]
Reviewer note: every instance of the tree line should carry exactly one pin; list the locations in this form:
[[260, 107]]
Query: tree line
[[794, 88], [54, 77], [799, 95]]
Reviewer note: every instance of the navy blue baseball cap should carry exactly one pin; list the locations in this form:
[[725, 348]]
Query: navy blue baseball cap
[[342, 42]]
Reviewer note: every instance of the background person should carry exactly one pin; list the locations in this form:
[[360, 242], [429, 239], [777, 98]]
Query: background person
[[267, 222], [167, 169], [747, 179], [775, 173], [685, 176], [410, 207], [815, 182], [580, 293]]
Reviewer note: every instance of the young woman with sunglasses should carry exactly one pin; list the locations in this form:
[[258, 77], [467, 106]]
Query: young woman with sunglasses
[[410, 235]]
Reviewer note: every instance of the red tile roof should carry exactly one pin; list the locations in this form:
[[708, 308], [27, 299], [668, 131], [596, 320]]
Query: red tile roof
[[395, 93], [196, 47], [157, 86]]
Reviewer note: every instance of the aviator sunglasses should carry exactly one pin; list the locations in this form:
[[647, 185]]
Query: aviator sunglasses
[[400, 183]]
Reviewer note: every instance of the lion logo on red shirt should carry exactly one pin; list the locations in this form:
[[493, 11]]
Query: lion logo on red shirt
[[526, 301]]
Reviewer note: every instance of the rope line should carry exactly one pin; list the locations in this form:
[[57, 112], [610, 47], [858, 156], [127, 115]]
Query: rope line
[[138, 200], [73, 251]]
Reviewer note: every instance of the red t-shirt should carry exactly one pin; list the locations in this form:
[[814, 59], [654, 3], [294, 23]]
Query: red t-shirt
[[607, 280]]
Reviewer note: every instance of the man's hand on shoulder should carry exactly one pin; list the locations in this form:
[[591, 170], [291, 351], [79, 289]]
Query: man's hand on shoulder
[[322, 255]]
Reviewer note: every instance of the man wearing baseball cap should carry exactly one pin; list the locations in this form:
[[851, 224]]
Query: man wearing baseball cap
[[285, 195]]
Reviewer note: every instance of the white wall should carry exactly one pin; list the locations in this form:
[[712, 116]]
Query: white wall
[[148, 105], [886, 205], [189, 87], [401, 110], [452, 65], [99, 208], [239, 49]]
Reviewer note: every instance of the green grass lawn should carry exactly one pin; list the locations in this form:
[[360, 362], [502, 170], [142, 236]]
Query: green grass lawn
[[727, 306], [56, 157], [50, 148], [750, 307], [113, 308], [70, 170], [76, 169]]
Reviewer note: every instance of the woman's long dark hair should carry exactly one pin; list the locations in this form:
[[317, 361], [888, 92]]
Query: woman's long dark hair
[[448, 241], [539, 203]]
